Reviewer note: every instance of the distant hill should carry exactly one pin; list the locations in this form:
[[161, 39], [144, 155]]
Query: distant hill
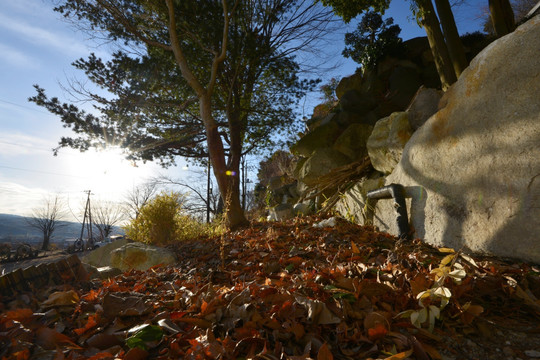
[[15, 227]]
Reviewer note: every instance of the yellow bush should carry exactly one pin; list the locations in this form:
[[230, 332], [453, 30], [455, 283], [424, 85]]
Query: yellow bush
[[162, 221]]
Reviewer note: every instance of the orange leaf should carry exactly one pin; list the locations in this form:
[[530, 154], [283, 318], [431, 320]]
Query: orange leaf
[[378, 332], [325, 353], [22, 355], [204, 306], [205, 324], [355, 248], [20, 315], [296, 260], [102, 355], [90, 323], [177, 315], [91, 296]]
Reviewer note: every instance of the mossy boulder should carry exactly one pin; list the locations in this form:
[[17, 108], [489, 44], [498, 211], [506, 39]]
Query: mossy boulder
[[352, 82], [322, 136], [320, 163], [352, 142]]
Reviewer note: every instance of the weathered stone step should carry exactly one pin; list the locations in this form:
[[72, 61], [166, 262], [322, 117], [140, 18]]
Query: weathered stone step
[[64, 271]]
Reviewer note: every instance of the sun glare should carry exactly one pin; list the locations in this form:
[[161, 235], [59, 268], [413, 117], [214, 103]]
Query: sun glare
[[107, 173]]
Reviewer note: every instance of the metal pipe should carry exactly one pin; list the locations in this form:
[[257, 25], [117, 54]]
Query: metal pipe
[[396, 192]]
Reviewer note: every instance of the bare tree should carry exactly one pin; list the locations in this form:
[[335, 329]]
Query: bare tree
[[201, 195], [106, 215], [47, 218], [139, 195]]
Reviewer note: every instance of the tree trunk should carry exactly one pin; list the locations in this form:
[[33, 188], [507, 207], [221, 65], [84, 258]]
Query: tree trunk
[[437, 44], [455, 47], [502, 17], [46, 241], [226, 176]]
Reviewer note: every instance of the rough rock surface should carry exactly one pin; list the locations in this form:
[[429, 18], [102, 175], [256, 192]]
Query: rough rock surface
[[386, 142], [322, 136], [424, 104], [140, 257], [352, 142], [473, 169], [352, 205], [321, 162], [102, 256]]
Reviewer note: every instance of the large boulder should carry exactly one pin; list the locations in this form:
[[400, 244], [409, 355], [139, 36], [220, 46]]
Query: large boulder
[[352, 142], [352, 205], [356, 102], [404, 83], [320, 163], [349, 83], [101, 256], [322, 136], [386, 142], [424, 104], [473, 169], [140, 256]]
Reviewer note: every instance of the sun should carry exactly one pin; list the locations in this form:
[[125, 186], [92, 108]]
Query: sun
[[107, 173]]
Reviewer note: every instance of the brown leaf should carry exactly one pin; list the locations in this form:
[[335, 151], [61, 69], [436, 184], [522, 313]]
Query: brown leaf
[[104, 341], [325, 353], [20, 315], [136, 354], [50, 339], [419, 283], [400, 356], [374, 319], [61, 298], [203, 324], [118, 305]]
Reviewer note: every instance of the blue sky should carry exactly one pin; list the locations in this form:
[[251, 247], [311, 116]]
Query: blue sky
[[37, 47]]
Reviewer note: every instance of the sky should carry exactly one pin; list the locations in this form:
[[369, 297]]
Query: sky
[[37, 47]]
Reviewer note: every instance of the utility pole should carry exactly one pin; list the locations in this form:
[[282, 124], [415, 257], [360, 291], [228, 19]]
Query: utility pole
[[87, 212]]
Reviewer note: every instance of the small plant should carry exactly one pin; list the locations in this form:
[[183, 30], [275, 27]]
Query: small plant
[[432, 301]]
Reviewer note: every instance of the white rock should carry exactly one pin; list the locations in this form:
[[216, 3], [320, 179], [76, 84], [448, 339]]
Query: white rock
[[473, 169], [140, 256], [387, 140], [331, 222]]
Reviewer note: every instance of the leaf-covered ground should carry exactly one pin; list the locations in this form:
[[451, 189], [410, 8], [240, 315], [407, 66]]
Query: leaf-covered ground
[[288, 290]]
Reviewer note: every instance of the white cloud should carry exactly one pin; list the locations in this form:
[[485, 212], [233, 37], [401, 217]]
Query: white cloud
[[18, 199], [17, 58], [15, 144], [43, 37]]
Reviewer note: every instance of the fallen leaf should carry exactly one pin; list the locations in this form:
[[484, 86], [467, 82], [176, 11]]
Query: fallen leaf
[[325, 353], [401, 355], [124, 305], [318, 312], [50, 339], [377, 332], [90, 323], [61, 298], [355, 248], [103, 341]]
